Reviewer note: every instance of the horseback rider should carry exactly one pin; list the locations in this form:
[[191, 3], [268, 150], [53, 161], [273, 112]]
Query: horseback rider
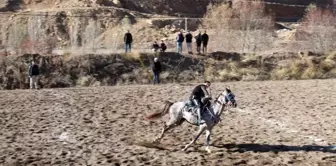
[[199, 96]]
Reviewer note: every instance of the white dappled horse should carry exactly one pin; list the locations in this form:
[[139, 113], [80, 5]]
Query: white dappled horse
[[210, 116]]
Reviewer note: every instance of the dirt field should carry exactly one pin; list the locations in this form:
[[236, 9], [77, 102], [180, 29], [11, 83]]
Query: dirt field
[[276, 123]]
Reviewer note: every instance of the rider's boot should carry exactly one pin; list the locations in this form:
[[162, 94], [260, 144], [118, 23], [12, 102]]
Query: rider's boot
[[198, 116]]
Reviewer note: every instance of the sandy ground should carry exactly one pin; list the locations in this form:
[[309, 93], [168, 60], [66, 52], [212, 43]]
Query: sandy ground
[[276, 123]]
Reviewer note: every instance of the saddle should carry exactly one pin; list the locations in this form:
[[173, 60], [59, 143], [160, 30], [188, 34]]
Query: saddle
[[190, 107]]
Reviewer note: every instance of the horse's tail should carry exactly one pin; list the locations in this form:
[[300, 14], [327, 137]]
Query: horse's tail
[[162, 113]]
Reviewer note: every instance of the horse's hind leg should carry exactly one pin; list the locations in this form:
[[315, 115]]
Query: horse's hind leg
[[168, 126]]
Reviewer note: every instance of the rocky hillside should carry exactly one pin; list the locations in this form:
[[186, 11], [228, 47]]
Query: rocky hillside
[[292, 10], [119, 69], [166, 7], [85, 26]]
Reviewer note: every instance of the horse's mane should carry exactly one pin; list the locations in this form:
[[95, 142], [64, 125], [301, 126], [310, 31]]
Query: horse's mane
[[216, 98]]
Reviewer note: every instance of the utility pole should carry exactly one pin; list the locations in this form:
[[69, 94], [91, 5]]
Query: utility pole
[[186, 24]]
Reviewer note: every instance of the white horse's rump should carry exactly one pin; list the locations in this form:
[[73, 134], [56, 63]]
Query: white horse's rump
[[178, 114]]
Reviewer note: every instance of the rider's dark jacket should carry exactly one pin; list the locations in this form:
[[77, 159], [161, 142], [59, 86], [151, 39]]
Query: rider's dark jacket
[[199, 92]]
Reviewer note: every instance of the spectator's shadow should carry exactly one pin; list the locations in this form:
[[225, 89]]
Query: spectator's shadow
[[226, 56], [276, 148]]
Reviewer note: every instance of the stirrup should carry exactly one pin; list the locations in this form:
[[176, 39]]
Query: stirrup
[[199, 122]]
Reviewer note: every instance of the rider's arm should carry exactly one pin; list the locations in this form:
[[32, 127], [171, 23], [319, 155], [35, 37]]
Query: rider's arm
[[205, 91]]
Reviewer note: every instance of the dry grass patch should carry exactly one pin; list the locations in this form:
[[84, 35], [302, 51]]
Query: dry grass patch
[[328, 64], [306, 68], [332, 56]]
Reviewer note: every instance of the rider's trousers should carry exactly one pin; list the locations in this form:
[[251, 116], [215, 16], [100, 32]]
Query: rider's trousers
[[198, 105]]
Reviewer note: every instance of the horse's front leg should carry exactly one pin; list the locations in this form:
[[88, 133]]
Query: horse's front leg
[[200, 131], [208, 134]]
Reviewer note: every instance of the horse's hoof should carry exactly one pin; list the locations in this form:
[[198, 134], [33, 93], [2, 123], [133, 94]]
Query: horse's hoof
[[208, 150], [156, 141]]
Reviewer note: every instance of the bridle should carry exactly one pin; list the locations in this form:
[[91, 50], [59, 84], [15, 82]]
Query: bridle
[[222, 104]]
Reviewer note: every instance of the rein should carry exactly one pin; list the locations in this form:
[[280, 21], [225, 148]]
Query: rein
[[217, 101]]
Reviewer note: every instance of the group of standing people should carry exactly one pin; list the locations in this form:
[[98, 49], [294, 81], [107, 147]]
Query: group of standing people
[[156, 47], [34, 72], [200, 39]]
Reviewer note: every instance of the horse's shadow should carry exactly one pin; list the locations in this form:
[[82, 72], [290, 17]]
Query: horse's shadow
[[275, 148]]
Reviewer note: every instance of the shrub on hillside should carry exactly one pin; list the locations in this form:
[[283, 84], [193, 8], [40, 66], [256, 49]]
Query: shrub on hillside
[[244, 27], [318, 29], [306, 68]]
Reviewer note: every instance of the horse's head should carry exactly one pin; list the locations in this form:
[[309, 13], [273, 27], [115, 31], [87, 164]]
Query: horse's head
[[227, 98]]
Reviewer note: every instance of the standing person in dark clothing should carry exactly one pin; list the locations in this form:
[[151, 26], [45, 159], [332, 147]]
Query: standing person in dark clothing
[[230, 3], [128, 39], [199, 42], [156, 71], [179, 42], [189, 42], [33, 73], [155, 46], [205, 40], [198, 95], [163, 46]]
